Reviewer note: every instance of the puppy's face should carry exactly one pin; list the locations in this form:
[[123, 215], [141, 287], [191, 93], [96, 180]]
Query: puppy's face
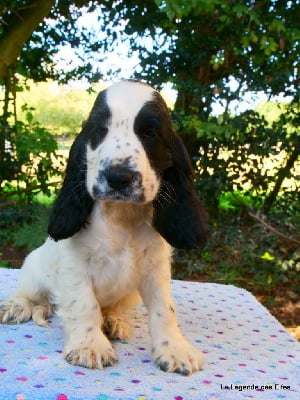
[[128, 152], [127, 138]]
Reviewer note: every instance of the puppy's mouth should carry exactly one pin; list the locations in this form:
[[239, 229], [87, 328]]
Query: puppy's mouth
[[119, 183]]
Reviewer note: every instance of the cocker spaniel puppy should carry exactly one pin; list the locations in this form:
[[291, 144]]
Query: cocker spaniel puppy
[[126, 200]]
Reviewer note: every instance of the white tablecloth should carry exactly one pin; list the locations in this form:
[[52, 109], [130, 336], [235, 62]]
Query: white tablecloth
[[248, 354]]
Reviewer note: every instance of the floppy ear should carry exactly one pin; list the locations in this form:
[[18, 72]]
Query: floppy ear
[[74, 203], [178, 215]]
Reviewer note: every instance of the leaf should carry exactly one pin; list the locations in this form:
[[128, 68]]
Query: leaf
[[267, 256]]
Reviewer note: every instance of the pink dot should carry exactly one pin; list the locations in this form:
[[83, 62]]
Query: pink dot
[[207, 382], [10, 341], [62, 397], [79, 373], [242, 365], [43, 358], [22, 379], [178, 398]]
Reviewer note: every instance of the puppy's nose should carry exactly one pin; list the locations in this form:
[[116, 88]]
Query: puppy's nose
[[119, 177]]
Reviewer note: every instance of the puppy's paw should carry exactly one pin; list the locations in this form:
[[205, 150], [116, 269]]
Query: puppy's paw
[[177, 356], [91, 355], [15, 311], [20, 309], [116, 327]]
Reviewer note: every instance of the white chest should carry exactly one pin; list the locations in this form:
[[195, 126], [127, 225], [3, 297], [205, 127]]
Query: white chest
[[113, 275]]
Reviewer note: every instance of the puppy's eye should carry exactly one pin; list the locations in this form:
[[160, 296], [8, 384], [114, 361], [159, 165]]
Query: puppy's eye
[[148, 133], [102, 130]]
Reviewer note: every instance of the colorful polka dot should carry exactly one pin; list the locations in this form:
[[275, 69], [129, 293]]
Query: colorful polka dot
[[62, 397], [232, 330]]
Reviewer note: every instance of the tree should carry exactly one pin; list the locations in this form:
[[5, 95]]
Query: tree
[[31, 33], [19, 21], [200, 47]]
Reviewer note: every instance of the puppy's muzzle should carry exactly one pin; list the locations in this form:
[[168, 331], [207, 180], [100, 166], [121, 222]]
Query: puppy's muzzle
[[119, 182]]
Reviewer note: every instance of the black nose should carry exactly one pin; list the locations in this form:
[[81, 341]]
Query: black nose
[[119, 177]]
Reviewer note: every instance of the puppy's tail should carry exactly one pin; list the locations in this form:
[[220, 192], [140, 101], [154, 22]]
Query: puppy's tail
[[20, 309]]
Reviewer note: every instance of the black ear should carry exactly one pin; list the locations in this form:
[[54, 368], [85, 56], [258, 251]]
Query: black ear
[[178, 215], [74, 204]]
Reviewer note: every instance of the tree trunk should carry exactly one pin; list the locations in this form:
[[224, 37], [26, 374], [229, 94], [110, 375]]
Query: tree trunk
[[282, 174], [190, 104], [20, 27]]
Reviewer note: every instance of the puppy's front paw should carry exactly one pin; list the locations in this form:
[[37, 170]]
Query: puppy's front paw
[[177, 356], [91, 355]]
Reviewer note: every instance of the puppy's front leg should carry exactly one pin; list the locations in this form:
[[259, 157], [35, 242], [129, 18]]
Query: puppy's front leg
[[85, 343], [171, 351]]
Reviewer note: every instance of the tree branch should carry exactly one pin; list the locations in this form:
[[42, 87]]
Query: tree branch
[[257, 217], [271, 228], [282, 175], [19, 30]]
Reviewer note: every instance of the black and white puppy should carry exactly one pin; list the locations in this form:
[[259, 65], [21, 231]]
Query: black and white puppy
[[126, 199]]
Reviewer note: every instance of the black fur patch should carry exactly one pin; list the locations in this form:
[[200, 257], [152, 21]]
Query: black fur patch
[[96, 128]]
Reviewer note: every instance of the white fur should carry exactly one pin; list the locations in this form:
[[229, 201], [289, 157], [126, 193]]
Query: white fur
[[93, 277]]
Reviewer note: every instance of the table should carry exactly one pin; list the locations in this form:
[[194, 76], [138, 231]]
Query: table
[[248, 354]]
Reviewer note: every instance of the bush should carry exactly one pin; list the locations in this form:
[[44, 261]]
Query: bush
[[244, 152], [245, 252], [29, 159], [24, 225]]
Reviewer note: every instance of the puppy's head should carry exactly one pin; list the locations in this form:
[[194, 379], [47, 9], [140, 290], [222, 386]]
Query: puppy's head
[[122, 128], [128, 152]]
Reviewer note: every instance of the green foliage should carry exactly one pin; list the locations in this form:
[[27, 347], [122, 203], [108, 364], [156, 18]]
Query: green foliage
[[245, 152], [237, 200], [33, 233], [242, 252], [24, 225], [46, 37], [203, 47], [29, 157]]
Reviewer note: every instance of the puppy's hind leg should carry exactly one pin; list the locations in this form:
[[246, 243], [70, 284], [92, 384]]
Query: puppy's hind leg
[[21, 309], [32, 297], [116, 324]]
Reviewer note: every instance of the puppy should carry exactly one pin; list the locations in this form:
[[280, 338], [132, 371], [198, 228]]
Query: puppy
[[126, 200]]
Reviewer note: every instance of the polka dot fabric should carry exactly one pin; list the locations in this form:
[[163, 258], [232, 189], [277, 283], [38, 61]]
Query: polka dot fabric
[[248, 354]]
